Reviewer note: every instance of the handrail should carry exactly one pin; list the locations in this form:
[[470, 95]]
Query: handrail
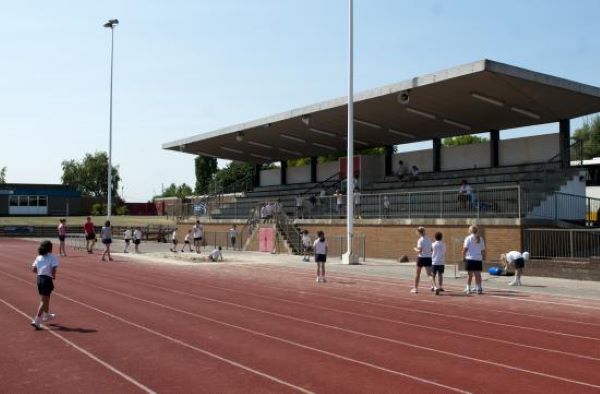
[[337, 174]]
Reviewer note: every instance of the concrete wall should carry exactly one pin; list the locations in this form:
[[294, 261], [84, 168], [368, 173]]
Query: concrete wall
[[270, 177], [372, 169], [298, 174], [421, 158], [325, 170], [534, 149], [466, 156]]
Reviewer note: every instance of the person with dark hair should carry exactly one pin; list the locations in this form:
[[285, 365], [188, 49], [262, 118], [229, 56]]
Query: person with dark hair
[[62, 235], [465, 195], [44, 266], [423, 258], [320, 247], [307, 246], [90, 235], [438, 262], [106, 235], [216, 255], [473, 254]]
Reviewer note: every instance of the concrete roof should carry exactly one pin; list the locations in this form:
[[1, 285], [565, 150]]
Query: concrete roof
[[476, 97]]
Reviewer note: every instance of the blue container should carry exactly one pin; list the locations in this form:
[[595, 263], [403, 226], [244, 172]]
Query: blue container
[[496, 271]]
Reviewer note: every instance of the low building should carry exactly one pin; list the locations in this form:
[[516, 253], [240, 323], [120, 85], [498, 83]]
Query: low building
[[23, 199]]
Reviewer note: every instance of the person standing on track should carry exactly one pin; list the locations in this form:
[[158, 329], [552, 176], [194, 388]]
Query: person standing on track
[[137, 239], [233, 234], [127, 239], [307, 245], [320, 247], [44, 266], [174, 241], [62, 235], [187, 241], [106, 236], [438, 262], [473, 254], [197, 230], [516, 259], [423, 258], [90, 235]]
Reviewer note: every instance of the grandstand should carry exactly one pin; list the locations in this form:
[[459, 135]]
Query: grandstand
[[516, 183]]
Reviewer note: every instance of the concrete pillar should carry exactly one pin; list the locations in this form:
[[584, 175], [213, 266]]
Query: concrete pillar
[[494, 148], [564, 142], [257, 168], [437, 155], [283, 172], [313, 169], [389, 155]]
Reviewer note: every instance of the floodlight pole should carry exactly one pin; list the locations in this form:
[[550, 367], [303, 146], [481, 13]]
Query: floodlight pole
[[348, 258], [111, 25]]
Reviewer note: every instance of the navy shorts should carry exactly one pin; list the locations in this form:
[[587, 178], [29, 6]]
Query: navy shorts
[[473, 265], [127, 241], [320, 258], [61, 237], [90, 237], [437, 269], [137, 241], [423, 261], [107, 241], [45, 285], [198, 239], [519, 263]]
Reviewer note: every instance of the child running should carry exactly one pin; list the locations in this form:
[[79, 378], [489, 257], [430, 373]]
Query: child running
[[216, 255], [187, 241], [106, 235], [44, 266], [137, 239], [473, 253], [174, 241], [307, 246], [62, 235], [127, 239], [423, 258], [438, 262], [320, 247]]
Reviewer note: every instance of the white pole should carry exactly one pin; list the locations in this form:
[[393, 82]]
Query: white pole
[[350, 158], [109, 190]]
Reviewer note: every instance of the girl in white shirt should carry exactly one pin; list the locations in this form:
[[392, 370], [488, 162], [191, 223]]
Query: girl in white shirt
[[473, 254], [127, 238], [438, 262], [216, 255], [137, 239], [174, 241], [187, 241], [44, 266], [307, 246], [320, 247], [106, 234], [423, 258]]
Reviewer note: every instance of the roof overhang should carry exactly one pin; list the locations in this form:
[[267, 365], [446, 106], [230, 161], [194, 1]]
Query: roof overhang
[[472, 98]]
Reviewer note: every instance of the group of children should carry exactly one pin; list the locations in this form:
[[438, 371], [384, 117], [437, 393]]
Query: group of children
[[195, 235], [432, 256], [106, 237]]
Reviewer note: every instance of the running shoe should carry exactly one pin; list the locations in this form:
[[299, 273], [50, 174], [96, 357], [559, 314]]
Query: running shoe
[[48, 317], [414, 290], [437, 291], [480, 290], [36, 323], [324, 280], [467, 290], [513, 283], [318, 280], [432, 288], [441, 289]]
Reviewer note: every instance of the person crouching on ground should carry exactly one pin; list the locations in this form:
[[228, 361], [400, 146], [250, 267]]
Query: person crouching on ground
[[438, 262], [320, 247], [216, 255], [516, 259], [44, 266], [106, 235], [423, 258], [473, 253]]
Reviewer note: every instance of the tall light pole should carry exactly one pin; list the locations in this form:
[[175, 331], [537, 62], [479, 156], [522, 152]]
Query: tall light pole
[[348, 257], [110, 25]]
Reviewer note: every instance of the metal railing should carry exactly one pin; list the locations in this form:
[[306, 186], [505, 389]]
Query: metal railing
[[568, 207], [562, 243]]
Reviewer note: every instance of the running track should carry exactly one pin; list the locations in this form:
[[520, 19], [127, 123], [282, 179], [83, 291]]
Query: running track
[[128, 326]]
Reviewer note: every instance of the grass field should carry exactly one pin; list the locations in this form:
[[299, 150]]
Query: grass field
[[98, 220]]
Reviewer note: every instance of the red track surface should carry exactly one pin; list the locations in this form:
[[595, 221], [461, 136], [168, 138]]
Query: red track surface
[[127, 326]]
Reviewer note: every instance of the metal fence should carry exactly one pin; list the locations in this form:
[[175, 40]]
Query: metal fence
[[150, 232], [565, 243], [569, 207]]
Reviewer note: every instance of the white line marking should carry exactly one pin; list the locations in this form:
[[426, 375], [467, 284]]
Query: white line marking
[[85, 352], [391, 340]]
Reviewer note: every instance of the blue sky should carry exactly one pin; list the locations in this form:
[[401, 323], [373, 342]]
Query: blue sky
[[186, 67]]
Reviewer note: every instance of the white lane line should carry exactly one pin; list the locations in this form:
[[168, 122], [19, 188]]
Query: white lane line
[[85, 352], [175, 340], [391, 340], [259, 333]]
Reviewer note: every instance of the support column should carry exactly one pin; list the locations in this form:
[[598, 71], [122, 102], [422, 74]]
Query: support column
[[283, 172], [564, 141], [257, 168], [313, 169], [494, 148], [437, 155], [389, 155]]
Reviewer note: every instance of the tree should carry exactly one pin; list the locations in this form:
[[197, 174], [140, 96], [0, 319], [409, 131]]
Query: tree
[[205, 167], [234, 172], [180, 191], [89, 176], [3, 176], [589, 135], [463, 140]]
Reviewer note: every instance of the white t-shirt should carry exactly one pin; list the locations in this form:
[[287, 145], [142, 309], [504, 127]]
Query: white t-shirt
[[513, 255], [174, 235], [233, 233], [106, 232], [187, 237], [474, 249], [216, 254], [320, 247], [298, 201], [466, 189], [438, 257], [356, 198], [137, 234], [45, 263], [197, 229], [323, 193], [127, 234], [306, 240], [424, 243], [386, 202], [339, 198]]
